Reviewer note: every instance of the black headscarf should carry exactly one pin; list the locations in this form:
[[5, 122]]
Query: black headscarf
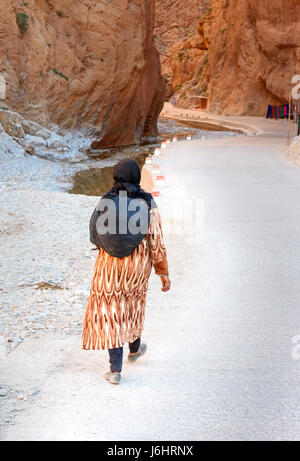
[[127, 176]]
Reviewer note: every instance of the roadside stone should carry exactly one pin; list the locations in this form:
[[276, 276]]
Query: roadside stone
[[3, 392], [16, 340]]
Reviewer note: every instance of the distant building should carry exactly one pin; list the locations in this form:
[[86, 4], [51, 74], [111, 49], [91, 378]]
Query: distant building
[[202, 102], [198, 102]]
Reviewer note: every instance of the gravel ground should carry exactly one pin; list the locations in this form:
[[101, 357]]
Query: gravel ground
[[44, 244]]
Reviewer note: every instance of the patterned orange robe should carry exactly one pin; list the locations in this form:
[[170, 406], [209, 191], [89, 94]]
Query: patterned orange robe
[[115, 310]]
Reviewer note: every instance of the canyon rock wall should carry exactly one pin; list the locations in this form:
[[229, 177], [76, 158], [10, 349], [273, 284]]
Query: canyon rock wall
[[176, 25], [254, 52], [83, 63], [242, 56], [176, 20]]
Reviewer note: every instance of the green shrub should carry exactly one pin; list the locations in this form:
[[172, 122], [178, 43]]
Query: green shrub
[[22, 21], [177, 88], [60, 13], [205, 60], [60, 74]]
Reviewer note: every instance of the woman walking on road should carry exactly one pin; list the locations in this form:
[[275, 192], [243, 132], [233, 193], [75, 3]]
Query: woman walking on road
[[115, 310]]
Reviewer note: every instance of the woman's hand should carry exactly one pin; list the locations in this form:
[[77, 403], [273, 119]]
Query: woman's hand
[[166, 283]]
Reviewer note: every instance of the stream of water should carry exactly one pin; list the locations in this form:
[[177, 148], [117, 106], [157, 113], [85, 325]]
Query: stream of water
[[85, 171]]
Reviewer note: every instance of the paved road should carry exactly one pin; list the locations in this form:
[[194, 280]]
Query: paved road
[[241, 309], [221, 361]]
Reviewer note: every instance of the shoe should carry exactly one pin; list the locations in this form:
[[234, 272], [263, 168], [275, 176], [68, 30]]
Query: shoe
[[113, 378], [133, 357]]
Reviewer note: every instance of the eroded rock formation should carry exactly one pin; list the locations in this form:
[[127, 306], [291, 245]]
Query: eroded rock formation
[[176, 24], [254, 52], [176, 20], [83, 62], [242, 56]]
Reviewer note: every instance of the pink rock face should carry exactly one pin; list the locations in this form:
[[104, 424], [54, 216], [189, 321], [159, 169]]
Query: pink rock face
[[242, 57], [181, 65], [176, 20], [255, 51], [177, 40], [83, 63]]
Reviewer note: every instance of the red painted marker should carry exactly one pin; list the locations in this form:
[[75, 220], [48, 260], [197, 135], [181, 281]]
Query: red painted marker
[[155, 193]]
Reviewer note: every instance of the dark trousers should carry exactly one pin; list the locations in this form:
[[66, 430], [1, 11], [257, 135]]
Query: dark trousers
[[116, 355]]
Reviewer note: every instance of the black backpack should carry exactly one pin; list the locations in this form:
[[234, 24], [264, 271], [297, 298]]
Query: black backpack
[[128, 229]]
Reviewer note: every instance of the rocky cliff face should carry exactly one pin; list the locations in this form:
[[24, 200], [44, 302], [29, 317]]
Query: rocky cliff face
[[176, 38], [242, 56], [254, 52], [84, 62], [176, 20]]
